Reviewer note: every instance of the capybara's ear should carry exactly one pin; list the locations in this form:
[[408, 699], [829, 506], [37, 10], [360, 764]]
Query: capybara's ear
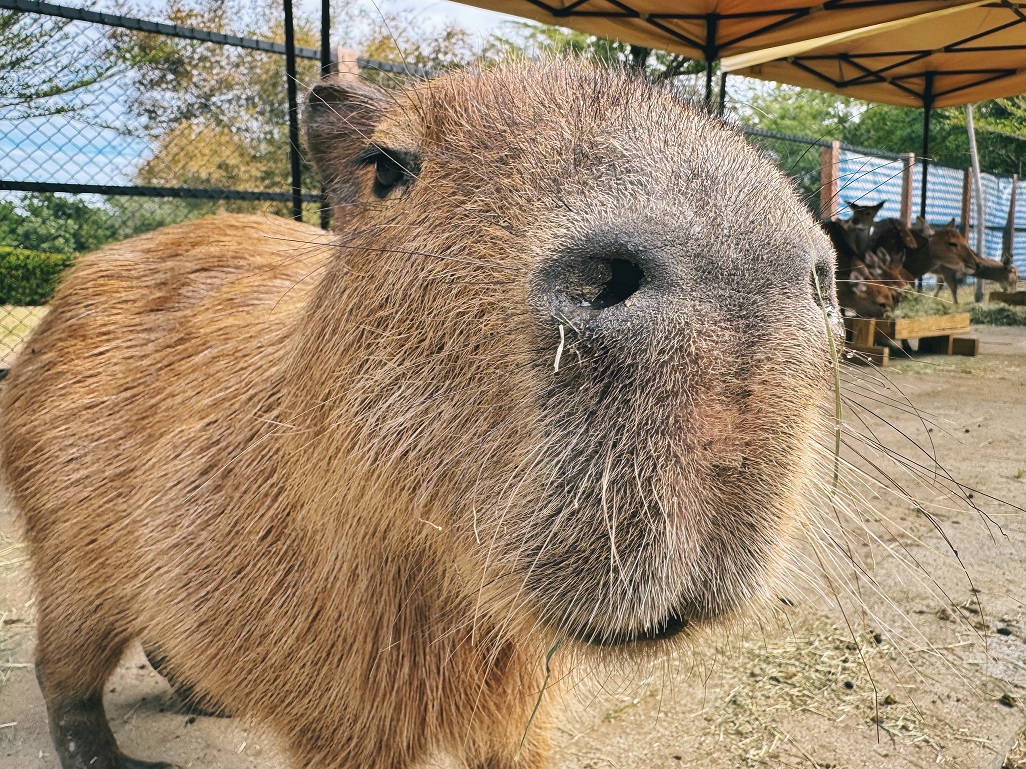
[[340, 117]]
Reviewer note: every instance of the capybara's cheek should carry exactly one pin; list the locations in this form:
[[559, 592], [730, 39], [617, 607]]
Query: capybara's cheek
[[661, 497]]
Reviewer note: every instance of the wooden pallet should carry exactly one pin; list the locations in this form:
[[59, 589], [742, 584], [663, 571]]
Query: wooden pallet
[[938, 334]]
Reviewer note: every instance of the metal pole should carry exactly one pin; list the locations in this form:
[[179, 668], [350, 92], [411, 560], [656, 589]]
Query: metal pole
[[325, 38], [710, 56], [325, 217], [927, 111], [1008, 233], [293, 97], [723, 93]]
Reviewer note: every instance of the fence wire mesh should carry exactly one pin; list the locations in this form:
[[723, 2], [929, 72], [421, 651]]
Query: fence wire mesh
[[108, 131]]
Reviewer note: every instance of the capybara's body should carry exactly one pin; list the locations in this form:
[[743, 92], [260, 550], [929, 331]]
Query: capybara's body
[[555, 381], [124, 472]]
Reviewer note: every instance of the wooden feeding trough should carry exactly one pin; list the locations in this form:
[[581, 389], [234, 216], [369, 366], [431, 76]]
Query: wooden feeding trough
[[1017, 298], [939, 334]]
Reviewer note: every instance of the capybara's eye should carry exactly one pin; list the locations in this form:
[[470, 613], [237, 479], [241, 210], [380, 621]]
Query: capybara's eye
[[392, 169], [387, 175], [820, 281]]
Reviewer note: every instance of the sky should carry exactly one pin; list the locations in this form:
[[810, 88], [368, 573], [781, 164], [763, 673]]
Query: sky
[[476, 20], [65, 149]]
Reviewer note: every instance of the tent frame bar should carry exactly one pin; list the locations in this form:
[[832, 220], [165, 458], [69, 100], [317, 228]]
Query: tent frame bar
[[927, 114]]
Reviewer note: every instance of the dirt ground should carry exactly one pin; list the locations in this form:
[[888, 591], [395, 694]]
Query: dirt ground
[[912, 657]]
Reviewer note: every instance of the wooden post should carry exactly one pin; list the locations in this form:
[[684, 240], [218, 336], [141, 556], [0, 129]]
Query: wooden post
[[348, 69], [907, 164], [967, 199], [830, 159], [1008, 234]]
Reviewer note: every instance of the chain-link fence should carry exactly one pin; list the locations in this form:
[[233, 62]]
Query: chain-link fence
[[111, 126]]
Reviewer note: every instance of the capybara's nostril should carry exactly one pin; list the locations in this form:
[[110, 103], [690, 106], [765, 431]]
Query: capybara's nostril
[[586, 281], [624, 279]]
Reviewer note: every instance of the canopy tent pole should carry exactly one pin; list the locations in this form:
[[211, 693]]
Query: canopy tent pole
[[723, 93], [710, 57], [927, 112], [1008, 233]]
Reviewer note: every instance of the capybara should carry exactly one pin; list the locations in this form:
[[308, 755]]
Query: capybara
[[556, 381]]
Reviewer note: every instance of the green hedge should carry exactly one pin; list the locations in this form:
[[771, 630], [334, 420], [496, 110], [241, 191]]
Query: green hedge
[[30, 277], [916, 305]]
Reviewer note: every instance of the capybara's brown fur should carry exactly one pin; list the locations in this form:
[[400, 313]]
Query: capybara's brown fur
[[555, 380]]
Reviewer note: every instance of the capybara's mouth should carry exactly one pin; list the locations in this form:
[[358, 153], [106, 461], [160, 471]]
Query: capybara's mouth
[[671, 626]]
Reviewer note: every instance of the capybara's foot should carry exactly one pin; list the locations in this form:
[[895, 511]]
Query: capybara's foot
[[81, 734]]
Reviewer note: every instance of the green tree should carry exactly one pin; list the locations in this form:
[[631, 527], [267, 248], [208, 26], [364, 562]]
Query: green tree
[[56, 224], [1001, 126], [216, 115], [44, 65], [9, 221]]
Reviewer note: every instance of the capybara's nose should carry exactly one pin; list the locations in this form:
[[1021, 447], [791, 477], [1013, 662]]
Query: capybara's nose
[[597, 274]]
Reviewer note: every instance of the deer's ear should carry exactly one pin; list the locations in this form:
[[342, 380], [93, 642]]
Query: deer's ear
[[950, 225], [878, 206], [857, 283], [341, 115]]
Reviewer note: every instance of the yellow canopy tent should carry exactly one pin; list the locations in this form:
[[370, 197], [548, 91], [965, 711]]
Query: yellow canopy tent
[[957, 56], [711, 29], [920, 53], [953, 56]]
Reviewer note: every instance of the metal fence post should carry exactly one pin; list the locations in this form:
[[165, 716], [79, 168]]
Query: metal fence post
[[327, 66], [295, 168]]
